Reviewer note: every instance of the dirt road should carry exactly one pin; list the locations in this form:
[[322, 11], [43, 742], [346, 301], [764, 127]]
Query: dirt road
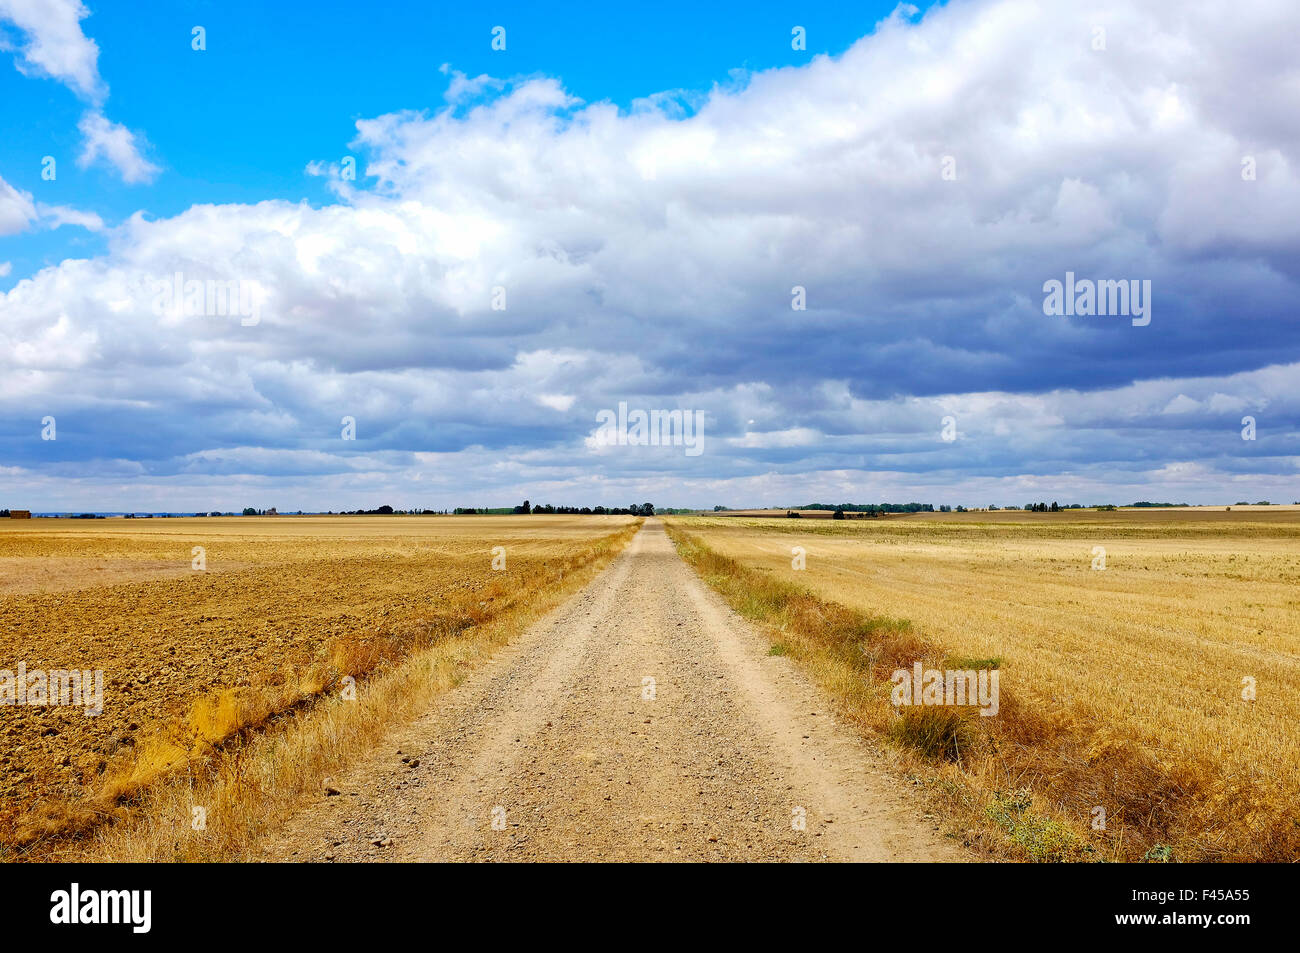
[[641, 721]]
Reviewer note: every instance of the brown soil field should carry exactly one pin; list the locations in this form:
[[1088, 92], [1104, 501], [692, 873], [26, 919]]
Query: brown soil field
[[1142, 662], [286, 607]]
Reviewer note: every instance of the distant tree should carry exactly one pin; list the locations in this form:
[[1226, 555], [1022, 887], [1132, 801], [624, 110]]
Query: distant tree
[[647, 509], [1055, 508], [838, 514], [249, 511]]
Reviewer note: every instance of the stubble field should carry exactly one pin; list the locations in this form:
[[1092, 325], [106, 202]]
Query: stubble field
[[1144, 662], [285, 611]]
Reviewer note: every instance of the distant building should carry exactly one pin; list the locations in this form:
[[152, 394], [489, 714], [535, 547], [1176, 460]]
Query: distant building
[[272, 512], [20, 514]]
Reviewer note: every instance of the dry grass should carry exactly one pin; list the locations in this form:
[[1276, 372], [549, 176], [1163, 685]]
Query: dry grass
[[1120, 689], [246, 751]]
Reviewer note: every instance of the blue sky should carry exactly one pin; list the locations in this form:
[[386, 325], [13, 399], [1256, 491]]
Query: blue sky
[[282, 84], [645, 191]]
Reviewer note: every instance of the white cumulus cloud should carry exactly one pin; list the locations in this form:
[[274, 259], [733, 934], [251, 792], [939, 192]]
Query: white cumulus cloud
[[112, 141], [649, 256]]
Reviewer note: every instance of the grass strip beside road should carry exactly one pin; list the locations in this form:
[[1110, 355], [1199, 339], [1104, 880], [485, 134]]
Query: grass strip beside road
[[1023, 784]]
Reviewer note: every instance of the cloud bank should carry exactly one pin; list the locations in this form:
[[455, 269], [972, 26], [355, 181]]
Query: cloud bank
[[508, 263]]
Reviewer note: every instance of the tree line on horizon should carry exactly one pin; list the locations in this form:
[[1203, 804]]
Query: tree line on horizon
[[526, 507]]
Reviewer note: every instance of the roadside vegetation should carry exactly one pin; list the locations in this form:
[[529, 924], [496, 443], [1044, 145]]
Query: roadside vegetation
[[1119, 690]]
